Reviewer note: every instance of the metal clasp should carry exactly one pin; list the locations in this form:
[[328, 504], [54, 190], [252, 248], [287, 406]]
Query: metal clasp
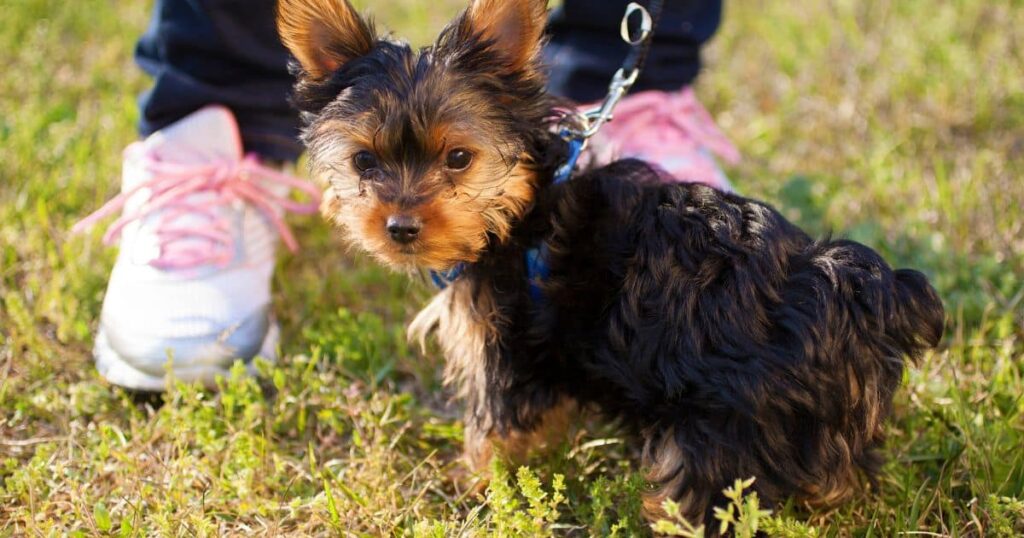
[[592, 120]]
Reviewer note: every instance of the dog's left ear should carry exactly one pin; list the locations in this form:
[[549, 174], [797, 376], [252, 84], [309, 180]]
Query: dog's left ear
[[323, 34], [513, 27]]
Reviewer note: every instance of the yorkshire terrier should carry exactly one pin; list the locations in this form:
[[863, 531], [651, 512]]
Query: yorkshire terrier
[[721, 336]]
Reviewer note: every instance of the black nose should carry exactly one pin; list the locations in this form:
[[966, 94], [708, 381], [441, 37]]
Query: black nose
[[403, 228]]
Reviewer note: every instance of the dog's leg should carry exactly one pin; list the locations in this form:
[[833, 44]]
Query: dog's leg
[[482, 443], [516, 445], [666, 469], [693, 472], [530, 418]]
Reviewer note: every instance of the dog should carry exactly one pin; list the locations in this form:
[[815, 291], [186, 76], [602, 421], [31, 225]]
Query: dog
[[724, 339]]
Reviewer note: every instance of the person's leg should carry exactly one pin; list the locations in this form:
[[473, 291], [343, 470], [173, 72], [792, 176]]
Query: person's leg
[[201, 213], [227, 52], [661, 121]]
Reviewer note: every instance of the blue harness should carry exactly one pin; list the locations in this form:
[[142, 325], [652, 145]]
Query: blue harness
[[537, 269]]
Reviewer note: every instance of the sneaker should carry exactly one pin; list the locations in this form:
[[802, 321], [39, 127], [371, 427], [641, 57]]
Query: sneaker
[[197, 234], [670, 130]]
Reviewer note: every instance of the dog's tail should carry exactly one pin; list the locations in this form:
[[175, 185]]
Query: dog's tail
[[919, 318]]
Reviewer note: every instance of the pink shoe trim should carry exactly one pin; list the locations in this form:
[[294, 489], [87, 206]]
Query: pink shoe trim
[[228, 181]]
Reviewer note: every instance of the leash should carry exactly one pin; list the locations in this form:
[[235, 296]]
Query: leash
[[578, 131], [624, 79]]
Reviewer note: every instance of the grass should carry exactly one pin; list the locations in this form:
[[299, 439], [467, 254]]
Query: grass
[[896, 123]]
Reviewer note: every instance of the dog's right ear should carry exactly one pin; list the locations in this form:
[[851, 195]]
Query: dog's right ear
[[323, 34]]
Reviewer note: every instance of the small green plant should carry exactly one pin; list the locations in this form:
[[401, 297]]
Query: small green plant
[[676, 524], [525, 509], [787, 527], [743, 515], [614, 507], [1006, 516]]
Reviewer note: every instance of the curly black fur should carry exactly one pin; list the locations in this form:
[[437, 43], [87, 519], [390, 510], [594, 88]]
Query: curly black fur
[[709, 325]]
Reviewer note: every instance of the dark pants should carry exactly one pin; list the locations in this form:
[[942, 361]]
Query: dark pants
[[202, 52]]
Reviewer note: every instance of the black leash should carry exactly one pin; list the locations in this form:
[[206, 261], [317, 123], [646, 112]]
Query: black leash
[[641, 44]]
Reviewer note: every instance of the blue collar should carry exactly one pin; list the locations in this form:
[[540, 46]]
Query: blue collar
[[443, 279], [537, 269]]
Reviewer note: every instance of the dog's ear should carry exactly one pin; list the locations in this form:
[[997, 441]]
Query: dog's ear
[[513, 27], [323, 34]]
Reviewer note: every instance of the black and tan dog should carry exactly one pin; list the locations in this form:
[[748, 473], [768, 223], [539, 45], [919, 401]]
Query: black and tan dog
[[723, 337]]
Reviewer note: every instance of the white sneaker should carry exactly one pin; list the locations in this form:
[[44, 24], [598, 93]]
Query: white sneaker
[[191, 285]]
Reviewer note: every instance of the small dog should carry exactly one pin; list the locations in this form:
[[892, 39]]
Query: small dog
[[723, 337]]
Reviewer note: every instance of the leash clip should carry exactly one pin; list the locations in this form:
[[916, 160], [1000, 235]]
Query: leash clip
[[592, 120], [619, 87]]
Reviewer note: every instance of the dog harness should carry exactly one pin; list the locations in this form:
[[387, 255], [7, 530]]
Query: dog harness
[[537, 270]]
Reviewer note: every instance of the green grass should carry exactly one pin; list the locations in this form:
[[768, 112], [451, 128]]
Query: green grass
[[898, 123]]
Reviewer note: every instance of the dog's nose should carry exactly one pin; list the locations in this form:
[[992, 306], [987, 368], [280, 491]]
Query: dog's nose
[[403, 228]]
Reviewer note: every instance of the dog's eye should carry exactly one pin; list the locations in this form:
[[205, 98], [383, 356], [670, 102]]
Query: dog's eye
[[364, 160], [458, 159]]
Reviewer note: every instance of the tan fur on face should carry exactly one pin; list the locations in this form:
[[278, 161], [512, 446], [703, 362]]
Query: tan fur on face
[[455, 224], [410, 115], [457, 217], [323, 34]]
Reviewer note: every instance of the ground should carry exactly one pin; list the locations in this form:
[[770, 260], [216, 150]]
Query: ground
[[896, 123]]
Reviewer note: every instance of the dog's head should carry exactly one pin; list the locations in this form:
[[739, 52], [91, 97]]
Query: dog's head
[[426, 156]]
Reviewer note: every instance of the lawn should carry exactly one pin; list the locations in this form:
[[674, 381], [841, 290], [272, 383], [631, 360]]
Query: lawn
[[898, 123]]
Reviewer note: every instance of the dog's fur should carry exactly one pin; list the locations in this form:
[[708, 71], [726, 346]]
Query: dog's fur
[[723, 337]]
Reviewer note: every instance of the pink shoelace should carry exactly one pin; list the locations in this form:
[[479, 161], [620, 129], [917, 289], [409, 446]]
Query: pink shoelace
[[174, 184], [673, 130]]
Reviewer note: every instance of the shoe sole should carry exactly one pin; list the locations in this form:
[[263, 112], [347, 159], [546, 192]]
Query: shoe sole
[[115, 369]]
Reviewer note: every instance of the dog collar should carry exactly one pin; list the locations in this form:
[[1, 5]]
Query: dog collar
[[443, 279]]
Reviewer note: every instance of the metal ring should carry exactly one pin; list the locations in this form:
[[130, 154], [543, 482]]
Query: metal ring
[[646, 24]]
